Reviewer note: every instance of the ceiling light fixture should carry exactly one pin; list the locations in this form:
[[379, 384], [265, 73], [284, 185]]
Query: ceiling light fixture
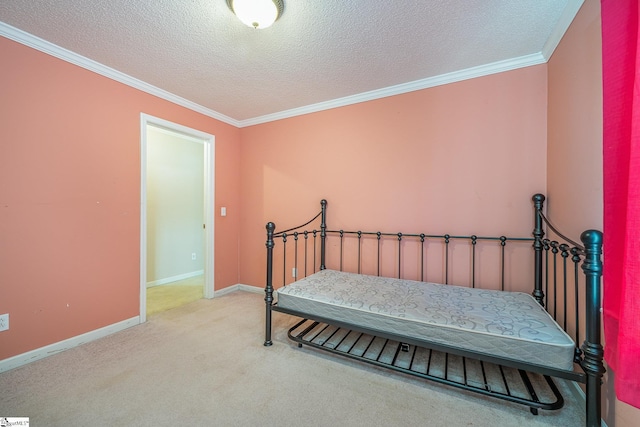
[[257, 13]]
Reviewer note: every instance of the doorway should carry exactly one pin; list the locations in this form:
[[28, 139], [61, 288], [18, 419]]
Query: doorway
[[176, 215]]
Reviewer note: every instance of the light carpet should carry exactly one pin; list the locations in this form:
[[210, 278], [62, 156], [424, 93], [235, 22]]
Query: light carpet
[[203, 364]]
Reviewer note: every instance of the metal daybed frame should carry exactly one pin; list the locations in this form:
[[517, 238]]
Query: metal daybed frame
[[557, 282]]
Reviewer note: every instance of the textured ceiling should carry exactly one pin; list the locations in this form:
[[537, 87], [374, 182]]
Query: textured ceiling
[[317, 52]]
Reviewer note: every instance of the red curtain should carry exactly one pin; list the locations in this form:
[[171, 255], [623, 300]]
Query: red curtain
[[621, 103]]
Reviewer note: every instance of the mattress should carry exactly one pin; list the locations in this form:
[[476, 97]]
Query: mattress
[[509, 325]]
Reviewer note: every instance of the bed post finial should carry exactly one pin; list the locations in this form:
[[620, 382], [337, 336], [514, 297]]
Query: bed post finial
[[323, 233], [268, 290], [538, 234], [592, 347]]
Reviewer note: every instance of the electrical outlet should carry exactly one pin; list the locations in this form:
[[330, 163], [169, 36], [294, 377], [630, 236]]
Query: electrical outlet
[[193, 256], [4, 322]]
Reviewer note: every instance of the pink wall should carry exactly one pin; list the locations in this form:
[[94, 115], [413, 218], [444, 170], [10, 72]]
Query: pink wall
[[70, 197], [575, 147], [417, 161], [575, 125], [70, 139]]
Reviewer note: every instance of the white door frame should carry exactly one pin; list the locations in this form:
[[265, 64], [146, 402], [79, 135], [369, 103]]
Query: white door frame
[[209, 198]]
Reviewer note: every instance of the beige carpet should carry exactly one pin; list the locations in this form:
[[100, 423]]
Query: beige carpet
[[204, 364], [176, 294]]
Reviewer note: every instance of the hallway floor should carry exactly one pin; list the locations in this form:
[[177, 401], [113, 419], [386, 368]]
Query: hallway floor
[[175, 294]]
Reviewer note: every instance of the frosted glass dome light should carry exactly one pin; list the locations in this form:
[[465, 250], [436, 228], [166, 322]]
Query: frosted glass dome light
[[257, 13]]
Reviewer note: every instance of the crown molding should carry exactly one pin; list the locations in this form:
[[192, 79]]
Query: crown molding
[[572, 8], [569, 13], [443, 79], [49, 48]]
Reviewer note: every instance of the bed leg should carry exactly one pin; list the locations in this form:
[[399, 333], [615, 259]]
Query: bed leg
[[592, 348], [268, 298], [592, 365], [267, 334]]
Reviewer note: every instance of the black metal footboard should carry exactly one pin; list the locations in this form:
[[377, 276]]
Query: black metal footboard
[[557, 264], [572, 298]]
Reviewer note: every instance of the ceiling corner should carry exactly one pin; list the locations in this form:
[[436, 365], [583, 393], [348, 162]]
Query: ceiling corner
[[570, 12]]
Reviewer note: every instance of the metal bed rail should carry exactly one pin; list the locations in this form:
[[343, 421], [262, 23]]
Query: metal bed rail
[[558, 284], [507, 383], [301, 251]]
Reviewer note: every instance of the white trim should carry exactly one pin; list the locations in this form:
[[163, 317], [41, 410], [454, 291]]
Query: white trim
[[174, 278], [443, 79], [238, 287], [42, 352], [569, 13], [576, 390], [143, 219], [249, 288], [208, 141], [49, 48], [225, 291], [172, 133], [578, 393], [209, 219]]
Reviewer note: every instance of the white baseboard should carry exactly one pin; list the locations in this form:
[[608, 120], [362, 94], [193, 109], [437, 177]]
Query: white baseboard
[[49, 350], [579, 394], [42, 352], [238, 287], [249, 288], [174, 278]]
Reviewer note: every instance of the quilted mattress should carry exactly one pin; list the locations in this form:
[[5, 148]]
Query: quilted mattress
[[509, 325]]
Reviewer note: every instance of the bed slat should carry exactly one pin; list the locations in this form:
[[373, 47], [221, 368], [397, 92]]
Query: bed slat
[[310, 333]]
